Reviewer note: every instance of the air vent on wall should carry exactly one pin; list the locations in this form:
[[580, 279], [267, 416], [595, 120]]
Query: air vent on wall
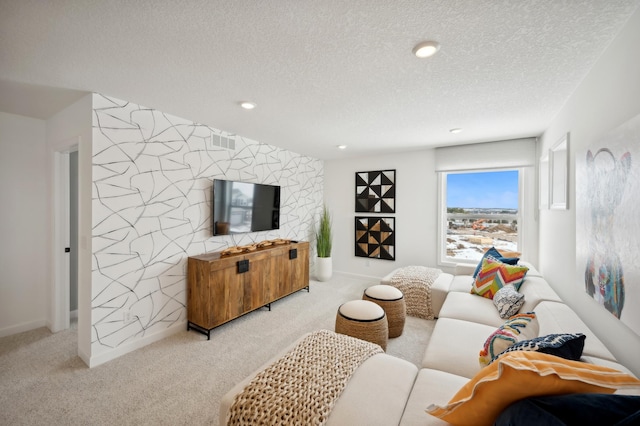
[[228, 142]]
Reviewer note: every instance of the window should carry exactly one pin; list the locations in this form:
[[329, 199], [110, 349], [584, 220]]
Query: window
[[479, 209]]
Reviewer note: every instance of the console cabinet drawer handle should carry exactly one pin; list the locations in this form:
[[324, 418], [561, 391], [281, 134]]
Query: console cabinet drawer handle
[[243, 266]]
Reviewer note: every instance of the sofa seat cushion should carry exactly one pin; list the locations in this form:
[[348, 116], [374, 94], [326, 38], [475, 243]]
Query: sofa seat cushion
[[379, 389], [471, 307], [556, 317], [376, 394], [454, 346], [431, 387], [461, 283]]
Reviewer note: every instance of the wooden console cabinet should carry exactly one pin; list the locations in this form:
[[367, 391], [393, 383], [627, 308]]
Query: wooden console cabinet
[[221, 288]]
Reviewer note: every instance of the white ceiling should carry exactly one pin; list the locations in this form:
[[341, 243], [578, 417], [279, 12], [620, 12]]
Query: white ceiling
[[323, 72]]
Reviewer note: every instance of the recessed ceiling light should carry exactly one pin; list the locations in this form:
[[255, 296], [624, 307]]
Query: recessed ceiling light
[[426, 49], [455, 130], [341, 146], [247, 105]]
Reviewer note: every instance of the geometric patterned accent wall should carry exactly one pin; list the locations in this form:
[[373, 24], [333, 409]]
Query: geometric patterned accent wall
[[376, 191], [151, 209]]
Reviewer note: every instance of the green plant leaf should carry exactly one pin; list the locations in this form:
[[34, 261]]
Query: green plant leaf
[[323, 234]]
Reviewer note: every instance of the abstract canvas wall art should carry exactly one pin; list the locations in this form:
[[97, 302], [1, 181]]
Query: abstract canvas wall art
[[376, 191], [607, 225], [375, 237]]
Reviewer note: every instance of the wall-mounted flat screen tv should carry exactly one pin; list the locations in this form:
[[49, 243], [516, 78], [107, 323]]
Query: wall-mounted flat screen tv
[[240, 207]]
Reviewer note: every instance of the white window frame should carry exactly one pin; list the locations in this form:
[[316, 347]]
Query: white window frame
[[443, 259]]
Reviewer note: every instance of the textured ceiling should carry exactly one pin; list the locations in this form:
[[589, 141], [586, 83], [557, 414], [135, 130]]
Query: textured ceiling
[[323, 72]]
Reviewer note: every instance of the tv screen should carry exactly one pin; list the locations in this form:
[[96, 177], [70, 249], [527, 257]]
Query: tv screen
[[240, 207]]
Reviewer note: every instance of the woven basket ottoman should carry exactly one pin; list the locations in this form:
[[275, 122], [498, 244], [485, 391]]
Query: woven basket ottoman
[[364, 320], [391, 300]]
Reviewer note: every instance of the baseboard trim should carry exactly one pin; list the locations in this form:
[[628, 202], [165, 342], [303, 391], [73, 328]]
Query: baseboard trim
[[359, 276], [20, 328], [94, 361]]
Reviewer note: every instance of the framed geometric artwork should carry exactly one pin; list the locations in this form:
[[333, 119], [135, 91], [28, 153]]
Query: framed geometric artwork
[[375, 237], [376, 191]]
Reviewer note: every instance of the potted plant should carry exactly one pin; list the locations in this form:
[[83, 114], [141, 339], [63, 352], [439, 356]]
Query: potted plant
[[323, 246]]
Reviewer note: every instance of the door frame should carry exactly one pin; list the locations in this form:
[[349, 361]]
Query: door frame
[[60, 304]]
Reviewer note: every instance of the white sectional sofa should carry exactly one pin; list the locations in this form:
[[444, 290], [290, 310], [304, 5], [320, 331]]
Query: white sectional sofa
[[386, 390]]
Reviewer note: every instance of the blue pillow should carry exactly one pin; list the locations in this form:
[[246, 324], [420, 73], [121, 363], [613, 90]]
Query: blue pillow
[[573, 409], [568, 346], [493, 252]]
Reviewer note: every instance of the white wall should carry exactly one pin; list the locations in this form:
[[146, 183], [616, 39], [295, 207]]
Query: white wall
[[24, 227], [416, 211], [606, 98], [144, 196]]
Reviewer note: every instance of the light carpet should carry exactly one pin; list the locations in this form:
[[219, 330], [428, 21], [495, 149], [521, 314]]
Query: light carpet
[[178, 380]]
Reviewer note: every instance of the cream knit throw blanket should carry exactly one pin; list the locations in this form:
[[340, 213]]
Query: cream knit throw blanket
[[302, 386], [415, 283]]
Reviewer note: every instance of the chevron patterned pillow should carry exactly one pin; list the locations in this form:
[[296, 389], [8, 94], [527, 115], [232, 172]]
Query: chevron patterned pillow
[[494, 275]]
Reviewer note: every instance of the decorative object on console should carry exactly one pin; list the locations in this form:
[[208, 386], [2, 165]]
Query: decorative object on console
[[324, 264], [516, 329], [252, 247], [607, 228], [376, 191], [375, 237], [523, 374]]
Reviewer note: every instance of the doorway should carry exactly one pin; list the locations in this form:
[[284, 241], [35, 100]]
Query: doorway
[[73, 238], [65, 241]]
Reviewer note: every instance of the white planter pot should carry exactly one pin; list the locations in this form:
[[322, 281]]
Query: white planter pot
[[324, 268]]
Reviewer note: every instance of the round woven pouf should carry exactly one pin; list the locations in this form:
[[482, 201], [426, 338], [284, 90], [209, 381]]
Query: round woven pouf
[[364, 320], [392, 301]]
